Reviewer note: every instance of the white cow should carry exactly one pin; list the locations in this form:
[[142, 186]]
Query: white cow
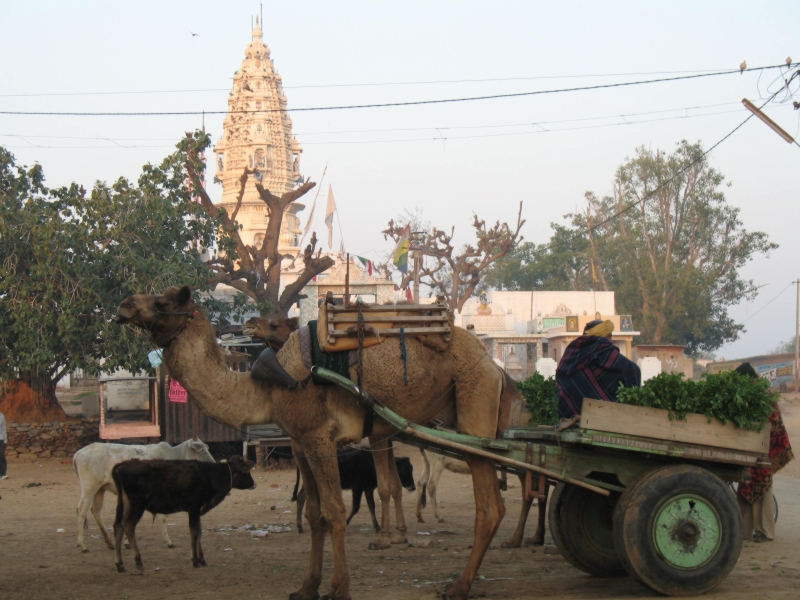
[[93, 465], [433, 465]]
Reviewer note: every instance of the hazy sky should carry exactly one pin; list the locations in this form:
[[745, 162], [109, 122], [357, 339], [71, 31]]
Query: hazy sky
[[449, 159]]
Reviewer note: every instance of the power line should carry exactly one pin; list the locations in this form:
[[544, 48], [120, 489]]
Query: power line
[[388, 104], [391, 141], [768, 303], [431, 128], [345, 85], [388, 141]]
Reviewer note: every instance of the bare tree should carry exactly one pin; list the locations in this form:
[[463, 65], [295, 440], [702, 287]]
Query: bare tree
[[253, 270], [456, 274]]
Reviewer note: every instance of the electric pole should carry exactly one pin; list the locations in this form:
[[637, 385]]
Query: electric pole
[[797, 342]]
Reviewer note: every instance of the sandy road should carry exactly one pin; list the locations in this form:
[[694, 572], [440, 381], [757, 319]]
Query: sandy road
[[38, 562]]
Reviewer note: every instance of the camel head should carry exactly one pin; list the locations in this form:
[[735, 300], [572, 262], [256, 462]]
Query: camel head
[[274, 332], [164, 316]]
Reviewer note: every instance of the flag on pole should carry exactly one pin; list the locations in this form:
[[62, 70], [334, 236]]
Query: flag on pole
[[329, 215], [366, 263], [401, 251], [310, 222]]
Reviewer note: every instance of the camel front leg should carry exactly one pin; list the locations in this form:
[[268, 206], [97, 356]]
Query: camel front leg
[[309, 497], [516, 539], [489, 512], [320, 453]]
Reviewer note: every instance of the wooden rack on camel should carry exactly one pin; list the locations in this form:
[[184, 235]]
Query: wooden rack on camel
[[360, 325]]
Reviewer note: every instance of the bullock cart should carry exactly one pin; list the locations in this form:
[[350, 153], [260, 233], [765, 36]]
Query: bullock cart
[[637, 493]]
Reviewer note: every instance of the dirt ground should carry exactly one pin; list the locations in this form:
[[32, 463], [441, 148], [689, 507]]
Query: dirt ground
[[39, 558]]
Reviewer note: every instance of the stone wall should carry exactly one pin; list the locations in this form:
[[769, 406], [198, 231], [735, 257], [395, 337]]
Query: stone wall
[[32, 441]]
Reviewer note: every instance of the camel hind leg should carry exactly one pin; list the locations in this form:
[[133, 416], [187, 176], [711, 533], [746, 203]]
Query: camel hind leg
[[489, 512], [422, 486], [516, 539]]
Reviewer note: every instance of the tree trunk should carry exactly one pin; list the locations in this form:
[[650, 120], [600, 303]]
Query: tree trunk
[[30, 399]]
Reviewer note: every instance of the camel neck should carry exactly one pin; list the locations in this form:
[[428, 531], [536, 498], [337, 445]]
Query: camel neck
[[196, 360]]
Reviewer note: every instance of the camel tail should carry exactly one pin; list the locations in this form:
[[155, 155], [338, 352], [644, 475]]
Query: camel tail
[[423, 499]]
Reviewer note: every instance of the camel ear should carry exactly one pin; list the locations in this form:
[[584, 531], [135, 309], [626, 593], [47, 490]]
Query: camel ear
[[184, 295], [293, 323]]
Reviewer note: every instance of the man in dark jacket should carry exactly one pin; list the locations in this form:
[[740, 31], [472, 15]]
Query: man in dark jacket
[[593, 367]]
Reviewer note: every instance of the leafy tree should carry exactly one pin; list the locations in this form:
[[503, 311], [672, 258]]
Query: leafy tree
[[69, 257], [786, 347], [666, 241]]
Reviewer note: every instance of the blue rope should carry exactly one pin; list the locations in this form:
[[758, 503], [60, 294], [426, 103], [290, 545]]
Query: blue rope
[[404, 355]]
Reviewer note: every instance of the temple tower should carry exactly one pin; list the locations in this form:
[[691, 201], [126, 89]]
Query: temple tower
[[257, 133]]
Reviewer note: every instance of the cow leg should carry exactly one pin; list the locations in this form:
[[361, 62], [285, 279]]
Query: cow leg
[[516, 539], [129, 525], [422, 486], [314, 516], [84, 504], [396, 490], [196, 532], [97, 511], [489, 512], [371, 505], [435, 474], [537, 539], [301, 501], [357, 491], [162, 522], [388, 487]]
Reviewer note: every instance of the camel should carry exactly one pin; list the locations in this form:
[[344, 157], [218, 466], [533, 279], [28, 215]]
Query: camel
[[461, 387], [274, 332]]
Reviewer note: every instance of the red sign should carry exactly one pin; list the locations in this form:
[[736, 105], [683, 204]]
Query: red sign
[[176, 392]]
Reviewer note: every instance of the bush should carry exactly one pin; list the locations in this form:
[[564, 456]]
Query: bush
[[541, 396], [728, 396]]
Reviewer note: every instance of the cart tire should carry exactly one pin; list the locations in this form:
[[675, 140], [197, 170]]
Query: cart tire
[[678, 530], [581, 526]]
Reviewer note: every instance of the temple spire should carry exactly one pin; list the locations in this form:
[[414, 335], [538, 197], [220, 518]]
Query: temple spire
[[257, 135]]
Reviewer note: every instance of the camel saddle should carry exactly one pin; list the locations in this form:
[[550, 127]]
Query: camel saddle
[[337, 326]]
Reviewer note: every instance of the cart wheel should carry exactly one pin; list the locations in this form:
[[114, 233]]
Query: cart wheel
[[678, 530], [580, 523]]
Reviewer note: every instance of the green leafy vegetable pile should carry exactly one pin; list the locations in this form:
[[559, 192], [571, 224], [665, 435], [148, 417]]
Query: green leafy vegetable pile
[[728, 396], [541, 396]]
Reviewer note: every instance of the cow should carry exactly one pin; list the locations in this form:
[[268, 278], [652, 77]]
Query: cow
[[170, 486], [433, 465], [357, 473], [93, 466]]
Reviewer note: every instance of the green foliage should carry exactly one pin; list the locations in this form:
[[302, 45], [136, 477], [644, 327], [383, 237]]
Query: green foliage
[[69, 257], [541, 396], [728, 396], [787, 347], [673, 261]]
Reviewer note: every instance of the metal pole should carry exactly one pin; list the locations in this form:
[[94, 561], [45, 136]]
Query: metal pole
[[417, 265], [347, 282], [797, 342]]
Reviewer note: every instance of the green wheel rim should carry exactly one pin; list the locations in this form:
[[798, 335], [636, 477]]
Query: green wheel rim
[[687, 531]]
